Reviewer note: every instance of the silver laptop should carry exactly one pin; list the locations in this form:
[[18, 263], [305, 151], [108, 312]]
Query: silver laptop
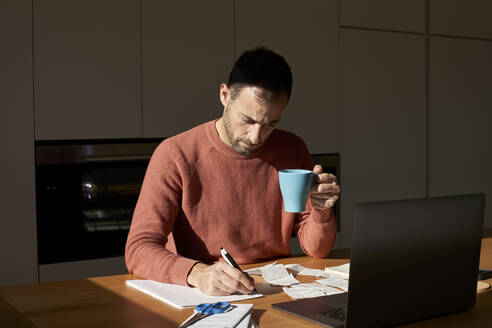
[[409, 260]]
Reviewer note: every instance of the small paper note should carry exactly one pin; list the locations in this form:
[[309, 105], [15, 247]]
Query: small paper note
[[303, 271], [342, 270], [257, 270], [278, 275], [310, 290], [335, 282], [292, 268]]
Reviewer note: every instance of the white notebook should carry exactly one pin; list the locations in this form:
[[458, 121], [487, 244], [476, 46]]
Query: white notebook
[[182, 296]]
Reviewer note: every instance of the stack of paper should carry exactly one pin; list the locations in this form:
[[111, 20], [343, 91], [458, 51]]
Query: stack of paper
[[239, 316]]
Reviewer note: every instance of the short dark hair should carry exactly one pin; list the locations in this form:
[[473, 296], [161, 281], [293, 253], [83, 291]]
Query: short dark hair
[[263, 68]]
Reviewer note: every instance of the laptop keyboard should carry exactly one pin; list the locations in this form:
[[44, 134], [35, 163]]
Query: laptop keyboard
[[334, 313]]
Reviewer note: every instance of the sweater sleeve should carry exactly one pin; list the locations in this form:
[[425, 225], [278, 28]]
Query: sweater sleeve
[[315, 229], [153, 219]]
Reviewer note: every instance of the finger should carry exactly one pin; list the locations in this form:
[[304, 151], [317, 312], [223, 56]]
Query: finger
[[236, 285], [318, 169], [236, 279], [326, 178], [322, 196], [322, 204], [323, 188], [217, 288], [215, 284]]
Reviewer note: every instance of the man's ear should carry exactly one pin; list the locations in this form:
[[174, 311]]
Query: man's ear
[[225, 94]]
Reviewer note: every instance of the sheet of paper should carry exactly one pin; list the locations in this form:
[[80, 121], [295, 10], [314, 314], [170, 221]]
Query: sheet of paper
[[310, 290], [238, 316], [278, 275], [342, 270], [257, 270], [182, 296], [303, 271], [293, 268], [335, 282]]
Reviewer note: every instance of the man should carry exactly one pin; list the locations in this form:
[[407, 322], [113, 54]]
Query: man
[[216, 185]]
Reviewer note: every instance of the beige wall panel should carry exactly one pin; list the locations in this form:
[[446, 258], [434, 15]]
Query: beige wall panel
[[87, 69], [383, 119], [187, 53], [398, 15], [18, 251], [461, 18], [307, 36], [460, 118]]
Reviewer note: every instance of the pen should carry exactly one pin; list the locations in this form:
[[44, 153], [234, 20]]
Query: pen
[[231, 261]]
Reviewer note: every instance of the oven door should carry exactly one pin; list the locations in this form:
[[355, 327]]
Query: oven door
[[85, 207]]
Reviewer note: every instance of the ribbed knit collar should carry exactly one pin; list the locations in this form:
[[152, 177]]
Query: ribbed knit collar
[[213, 134]]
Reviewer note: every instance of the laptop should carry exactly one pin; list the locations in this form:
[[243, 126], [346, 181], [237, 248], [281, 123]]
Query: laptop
[[409, 260]]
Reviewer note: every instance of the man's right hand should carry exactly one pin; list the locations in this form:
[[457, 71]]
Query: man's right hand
[[220, 279]]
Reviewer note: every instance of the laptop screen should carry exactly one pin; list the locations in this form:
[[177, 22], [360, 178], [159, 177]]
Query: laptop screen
[[414, 259]]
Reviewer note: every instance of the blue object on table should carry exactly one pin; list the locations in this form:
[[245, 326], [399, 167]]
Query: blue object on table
[[204, 310]]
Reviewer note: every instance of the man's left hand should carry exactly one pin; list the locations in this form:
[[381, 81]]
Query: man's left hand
[[324, 193]]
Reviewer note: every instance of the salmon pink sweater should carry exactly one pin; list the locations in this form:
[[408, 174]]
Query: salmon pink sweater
[[198, 195]]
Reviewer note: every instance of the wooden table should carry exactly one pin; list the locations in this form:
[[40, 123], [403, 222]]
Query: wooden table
[[108, 302]]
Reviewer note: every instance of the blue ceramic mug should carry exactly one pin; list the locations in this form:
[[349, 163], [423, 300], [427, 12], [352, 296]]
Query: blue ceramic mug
[[295, 185]]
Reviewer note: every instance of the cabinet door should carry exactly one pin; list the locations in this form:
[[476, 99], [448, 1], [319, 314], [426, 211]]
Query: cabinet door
[[18, 252], [82, 269], [306, 34], [87, 69], [383, 119], [461, 18], [187, 53], [460, 118], [400, 15]]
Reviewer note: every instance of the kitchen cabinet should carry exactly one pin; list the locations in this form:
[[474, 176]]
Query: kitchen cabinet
[[460, 118], [401, 15], [383, 125], [461, 18], [87, 69], [187, 53], [307, 36], [82, 269], [18, 252]]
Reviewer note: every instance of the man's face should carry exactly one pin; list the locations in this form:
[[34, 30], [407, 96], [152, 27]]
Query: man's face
[[250, 117]]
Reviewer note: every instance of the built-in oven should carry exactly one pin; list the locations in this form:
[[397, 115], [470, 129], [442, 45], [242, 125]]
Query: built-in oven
[[85, 196]]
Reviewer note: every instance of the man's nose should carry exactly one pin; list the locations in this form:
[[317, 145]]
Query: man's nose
[[255, 134]]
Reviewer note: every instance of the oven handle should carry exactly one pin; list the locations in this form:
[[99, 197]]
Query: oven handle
[[93, 159]]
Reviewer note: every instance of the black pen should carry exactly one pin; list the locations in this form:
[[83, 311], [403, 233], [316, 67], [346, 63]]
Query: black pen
[[231, 261]]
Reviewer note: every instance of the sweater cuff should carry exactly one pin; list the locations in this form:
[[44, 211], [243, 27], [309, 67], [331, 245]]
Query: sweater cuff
[[181, 269], [321, 216]]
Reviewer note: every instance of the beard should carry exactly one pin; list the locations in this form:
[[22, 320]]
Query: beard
[[235, 143]]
